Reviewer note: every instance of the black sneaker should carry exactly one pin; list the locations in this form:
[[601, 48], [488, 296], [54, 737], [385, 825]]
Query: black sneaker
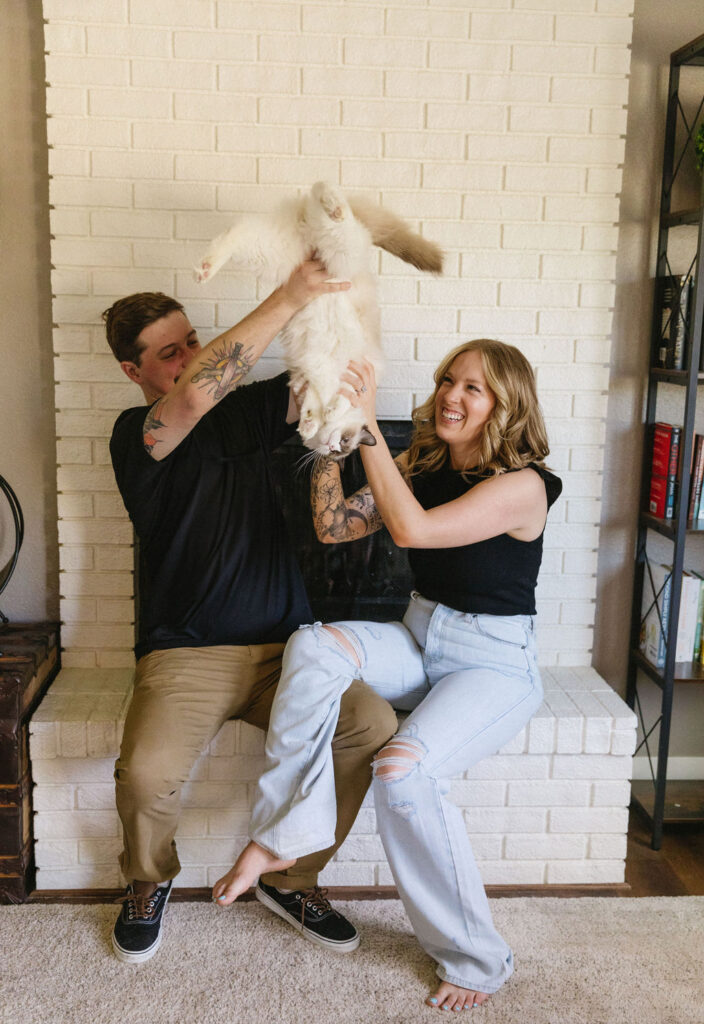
[[137, 932], [310, 913]]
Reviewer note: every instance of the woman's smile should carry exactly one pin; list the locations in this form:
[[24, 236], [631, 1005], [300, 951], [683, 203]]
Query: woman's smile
[[451, 415]]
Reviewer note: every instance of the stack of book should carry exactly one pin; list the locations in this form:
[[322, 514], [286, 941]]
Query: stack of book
[[665, 472], [695, 509], [675, 295], [655, 615]]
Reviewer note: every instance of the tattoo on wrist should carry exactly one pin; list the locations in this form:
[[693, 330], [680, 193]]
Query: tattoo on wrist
[[224, 369], [152, 423]]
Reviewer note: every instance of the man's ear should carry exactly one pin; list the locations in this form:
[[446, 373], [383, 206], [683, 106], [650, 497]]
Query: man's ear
[[132, 371]]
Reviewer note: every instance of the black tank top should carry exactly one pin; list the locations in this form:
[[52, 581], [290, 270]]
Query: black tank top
[[495, 576]]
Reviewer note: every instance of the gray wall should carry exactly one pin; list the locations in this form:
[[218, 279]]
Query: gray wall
[[27, 432]]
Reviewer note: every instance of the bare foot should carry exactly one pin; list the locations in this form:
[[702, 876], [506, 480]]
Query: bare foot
[[452, 997], [251, 863]]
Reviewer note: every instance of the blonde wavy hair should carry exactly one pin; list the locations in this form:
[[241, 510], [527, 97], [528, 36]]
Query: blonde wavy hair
[[514, 435]]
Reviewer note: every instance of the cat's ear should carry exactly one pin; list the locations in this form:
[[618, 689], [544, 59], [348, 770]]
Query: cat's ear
[[366, 437]]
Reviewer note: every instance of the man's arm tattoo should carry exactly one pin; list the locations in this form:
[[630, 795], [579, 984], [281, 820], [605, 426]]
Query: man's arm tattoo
[[332, 515], [364, 501], [152, 423], [224, 369]]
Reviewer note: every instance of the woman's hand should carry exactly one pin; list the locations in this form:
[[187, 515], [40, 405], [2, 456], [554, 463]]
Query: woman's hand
[[359, 388]]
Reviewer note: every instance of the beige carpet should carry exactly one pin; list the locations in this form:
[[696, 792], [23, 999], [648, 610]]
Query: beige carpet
[[579, 961]]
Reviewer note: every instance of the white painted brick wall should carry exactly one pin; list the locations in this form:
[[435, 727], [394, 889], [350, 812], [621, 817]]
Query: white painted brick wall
[[495, 128], [535, 813]]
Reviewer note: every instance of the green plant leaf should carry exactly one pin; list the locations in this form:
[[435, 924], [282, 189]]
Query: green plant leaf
[[699, 147]]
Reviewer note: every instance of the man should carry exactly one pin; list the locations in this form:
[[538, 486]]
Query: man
[[220, 592]]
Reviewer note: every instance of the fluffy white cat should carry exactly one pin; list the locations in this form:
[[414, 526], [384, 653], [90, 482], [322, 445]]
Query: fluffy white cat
[[320, 339]]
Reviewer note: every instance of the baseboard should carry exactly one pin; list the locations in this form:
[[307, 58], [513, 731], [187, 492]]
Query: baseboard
[[337, 892]]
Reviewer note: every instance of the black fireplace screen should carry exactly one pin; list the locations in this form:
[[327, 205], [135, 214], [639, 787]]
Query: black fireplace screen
[[366, 579]]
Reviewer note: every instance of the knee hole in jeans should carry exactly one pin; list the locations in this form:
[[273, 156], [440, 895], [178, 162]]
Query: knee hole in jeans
[[398, 758], [344, 640]]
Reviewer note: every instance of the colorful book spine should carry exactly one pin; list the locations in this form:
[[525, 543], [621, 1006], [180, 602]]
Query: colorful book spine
[[655, 612], [695, 485], [687, 619], [664, 470]]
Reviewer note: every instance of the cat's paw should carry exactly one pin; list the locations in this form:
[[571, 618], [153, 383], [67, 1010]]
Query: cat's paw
[[308, 425], [202, 271], [331, 202]]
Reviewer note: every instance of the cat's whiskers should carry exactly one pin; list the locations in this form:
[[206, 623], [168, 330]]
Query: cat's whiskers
[[305, 460]]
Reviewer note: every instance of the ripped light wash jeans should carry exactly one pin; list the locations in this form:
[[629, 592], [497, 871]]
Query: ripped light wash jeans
[[471, 683]]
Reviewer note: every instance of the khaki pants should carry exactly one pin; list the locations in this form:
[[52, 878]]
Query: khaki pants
[[181, 698]]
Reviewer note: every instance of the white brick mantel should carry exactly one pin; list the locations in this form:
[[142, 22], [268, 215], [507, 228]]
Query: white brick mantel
[[550, 807]]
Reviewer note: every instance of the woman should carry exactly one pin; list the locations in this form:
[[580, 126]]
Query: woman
[[470, 502]]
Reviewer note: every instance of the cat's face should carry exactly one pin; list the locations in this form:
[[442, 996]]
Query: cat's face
[[338, 441]]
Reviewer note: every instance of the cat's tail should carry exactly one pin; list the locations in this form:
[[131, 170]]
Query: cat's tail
[[392, 233]]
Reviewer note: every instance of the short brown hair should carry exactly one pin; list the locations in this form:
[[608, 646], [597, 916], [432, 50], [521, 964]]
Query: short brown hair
[[126, 319]]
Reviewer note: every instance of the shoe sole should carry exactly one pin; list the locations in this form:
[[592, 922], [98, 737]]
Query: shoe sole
[[127, 957], [348, 946]]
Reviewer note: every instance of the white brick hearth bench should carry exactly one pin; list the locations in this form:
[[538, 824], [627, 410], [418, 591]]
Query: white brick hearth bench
[[551, 807]]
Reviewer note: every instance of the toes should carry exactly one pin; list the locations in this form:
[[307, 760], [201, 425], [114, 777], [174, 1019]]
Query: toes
[[451, 997], [222, 894]]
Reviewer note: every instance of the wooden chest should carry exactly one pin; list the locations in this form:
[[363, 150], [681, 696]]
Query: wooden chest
[[29, 660]]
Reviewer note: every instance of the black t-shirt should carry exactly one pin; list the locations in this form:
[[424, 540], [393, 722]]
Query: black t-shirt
[[216, 565], [493, 577]]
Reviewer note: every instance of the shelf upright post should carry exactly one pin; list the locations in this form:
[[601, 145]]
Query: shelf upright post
[[651, 399], [680, 522]]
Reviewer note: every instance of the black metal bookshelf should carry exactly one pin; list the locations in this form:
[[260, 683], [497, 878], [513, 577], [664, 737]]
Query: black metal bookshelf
[[664, 801]]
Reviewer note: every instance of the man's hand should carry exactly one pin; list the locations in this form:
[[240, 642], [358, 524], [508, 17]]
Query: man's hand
[[309, 280]]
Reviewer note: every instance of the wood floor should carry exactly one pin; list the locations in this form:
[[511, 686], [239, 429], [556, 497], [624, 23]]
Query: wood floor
[[676, 869]]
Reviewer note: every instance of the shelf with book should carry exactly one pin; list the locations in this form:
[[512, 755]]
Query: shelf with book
[[667, 620], [684, 671], [665, 526]]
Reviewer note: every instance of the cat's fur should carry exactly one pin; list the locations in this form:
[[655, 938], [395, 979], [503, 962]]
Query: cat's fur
[[321, 338]]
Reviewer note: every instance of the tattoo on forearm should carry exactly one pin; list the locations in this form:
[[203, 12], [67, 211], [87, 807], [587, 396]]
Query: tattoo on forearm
[[364, 501], [152, 423], [224, 370], [332, 516]]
